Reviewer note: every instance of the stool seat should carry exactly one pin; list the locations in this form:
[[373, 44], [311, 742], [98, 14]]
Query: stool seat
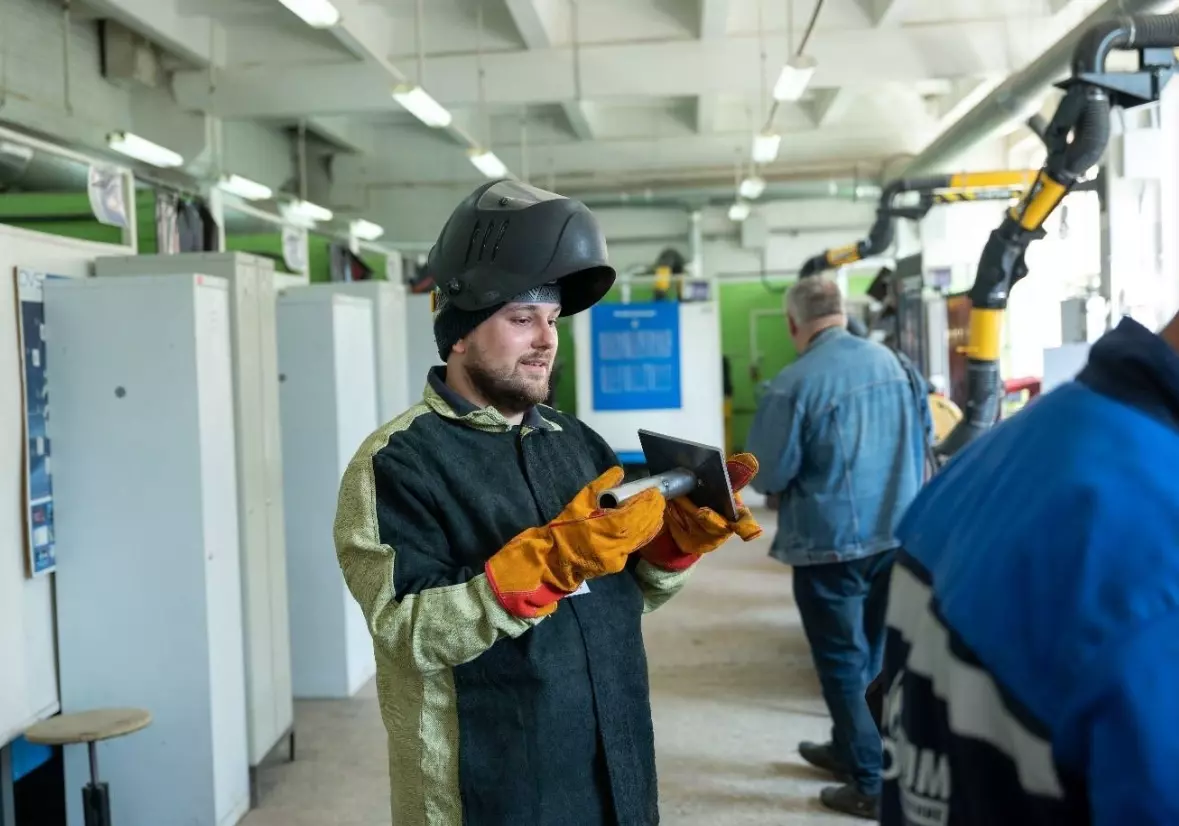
[[88, 726]]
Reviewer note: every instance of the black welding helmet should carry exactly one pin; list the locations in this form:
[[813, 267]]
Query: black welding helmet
[[508, 238]]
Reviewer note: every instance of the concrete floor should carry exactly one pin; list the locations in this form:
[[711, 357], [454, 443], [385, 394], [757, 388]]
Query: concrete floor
[[733, 691]]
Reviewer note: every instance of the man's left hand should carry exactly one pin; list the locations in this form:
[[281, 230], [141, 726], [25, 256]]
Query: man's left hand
[[690, 531]]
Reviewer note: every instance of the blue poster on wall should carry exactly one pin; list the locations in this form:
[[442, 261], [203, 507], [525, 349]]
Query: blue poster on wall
[[636, 356], [39, 533]]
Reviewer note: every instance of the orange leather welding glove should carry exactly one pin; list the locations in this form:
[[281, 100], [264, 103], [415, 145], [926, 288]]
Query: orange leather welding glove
[[542, 565], [689, 531]]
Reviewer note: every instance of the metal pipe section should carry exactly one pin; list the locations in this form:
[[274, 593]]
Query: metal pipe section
[[696, 245], [689, 197], [1018, 91], [672, 484]]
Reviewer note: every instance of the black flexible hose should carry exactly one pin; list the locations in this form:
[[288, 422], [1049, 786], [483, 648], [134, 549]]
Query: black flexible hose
[[880, 235], [1134, 32], [813, 266], [1091, 136], [982, 407], [883, 229], [1039, 125]]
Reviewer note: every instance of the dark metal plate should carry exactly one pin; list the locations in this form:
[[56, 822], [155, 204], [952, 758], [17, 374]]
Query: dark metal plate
[[713, 490]]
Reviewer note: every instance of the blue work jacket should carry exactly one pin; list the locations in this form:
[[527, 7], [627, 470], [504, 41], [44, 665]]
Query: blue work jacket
[[840, 436], [1032, 663]]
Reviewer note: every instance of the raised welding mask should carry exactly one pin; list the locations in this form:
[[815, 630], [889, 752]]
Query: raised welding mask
[[507, 240]]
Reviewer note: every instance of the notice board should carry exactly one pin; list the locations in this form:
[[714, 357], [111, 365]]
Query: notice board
[[38, 477], [636, 356]]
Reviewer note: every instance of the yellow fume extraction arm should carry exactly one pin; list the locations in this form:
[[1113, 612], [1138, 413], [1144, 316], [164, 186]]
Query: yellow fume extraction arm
[[1076, 139], [933, 190]]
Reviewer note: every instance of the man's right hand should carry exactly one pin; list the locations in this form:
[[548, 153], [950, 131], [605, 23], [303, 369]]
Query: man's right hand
[[536, 569]]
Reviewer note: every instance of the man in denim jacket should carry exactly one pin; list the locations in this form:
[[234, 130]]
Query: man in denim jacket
[[840, 436]]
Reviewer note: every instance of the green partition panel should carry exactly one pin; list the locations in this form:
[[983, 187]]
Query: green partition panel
[[739, 324], [566, 395], [377, 262], [266, 244], [58, 213], [148, 235], [319, 258]]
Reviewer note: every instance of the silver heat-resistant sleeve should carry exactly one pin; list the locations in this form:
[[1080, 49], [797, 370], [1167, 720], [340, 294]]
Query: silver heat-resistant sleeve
[[673, 484]]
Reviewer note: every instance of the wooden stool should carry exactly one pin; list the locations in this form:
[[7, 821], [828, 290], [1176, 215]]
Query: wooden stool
[[90, 727]]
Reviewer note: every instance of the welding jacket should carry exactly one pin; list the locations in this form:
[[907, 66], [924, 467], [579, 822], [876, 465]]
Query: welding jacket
[[494, 720], [1032, 660]]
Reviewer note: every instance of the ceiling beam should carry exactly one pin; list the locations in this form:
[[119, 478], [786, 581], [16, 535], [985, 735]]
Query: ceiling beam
[[714, 25], [828, 105], [164, 23], [706, 109], [636, 157], [344, 133], [611, 71], [886, 12], [536, 20], [714, 19]]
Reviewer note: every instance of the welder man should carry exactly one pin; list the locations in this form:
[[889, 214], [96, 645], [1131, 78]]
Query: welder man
[[504, 606]]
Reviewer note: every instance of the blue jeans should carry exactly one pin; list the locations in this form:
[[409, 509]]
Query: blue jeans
[[843, 606]]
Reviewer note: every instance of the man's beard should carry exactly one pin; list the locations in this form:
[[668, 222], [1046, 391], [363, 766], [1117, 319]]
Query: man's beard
[[505, 389]]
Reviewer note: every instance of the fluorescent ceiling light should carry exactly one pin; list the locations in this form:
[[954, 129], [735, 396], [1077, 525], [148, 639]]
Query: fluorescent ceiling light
[[245, 188], [144, 150], [307, 211], [319, 14], [765, 147], [487, 163], [367, 230], [752, 188], [417, 101], [739, 211], [795, 77]]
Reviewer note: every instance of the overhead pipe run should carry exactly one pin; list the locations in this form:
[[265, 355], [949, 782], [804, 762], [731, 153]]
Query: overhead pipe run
[[1014, 95], [1076, 139], [694, 197]]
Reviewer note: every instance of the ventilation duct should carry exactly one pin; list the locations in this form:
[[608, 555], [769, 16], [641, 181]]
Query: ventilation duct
[[1012, 98]]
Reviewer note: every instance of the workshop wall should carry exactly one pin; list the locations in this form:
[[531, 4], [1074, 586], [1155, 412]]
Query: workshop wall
[[752, 280]]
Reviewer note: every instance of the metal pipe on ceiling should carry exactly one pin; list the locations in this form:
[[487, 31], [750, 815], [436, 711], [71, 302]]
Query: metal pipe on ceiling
[[1011, 98], [848, 189]]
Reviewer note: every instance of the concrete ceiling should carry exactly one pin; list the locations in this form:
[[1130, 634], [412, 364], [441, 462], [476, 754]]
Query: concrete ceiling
[[597, 94]]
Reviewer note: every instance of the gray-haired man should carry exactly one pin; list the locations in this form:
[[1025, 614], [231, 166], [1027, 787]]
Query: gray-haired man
[[840, 438]]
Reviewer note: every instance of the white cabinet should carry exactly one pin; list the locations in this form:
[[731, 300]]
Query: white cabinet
[[390, 343], [422, 352], [328, 400], [149, 608], [251, 281]]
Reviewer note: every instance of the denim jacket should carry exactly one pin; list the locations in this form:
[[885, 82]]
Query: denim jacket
[[840, 436]]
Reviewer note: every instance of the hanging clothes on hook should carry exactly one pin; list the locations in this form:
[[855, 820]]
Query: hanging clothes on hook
[[167, 223]]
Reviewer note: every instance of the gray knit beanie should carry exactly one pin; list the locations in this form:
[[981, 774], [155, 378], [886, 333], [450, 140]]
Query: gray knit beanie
[[452, 324]]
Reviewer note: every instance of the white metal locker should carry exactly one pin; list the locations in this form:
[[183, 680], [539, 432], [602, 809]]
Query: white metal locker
[[421, 350], [390, 340], [149, 607], [328, 393], [251, 282]]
